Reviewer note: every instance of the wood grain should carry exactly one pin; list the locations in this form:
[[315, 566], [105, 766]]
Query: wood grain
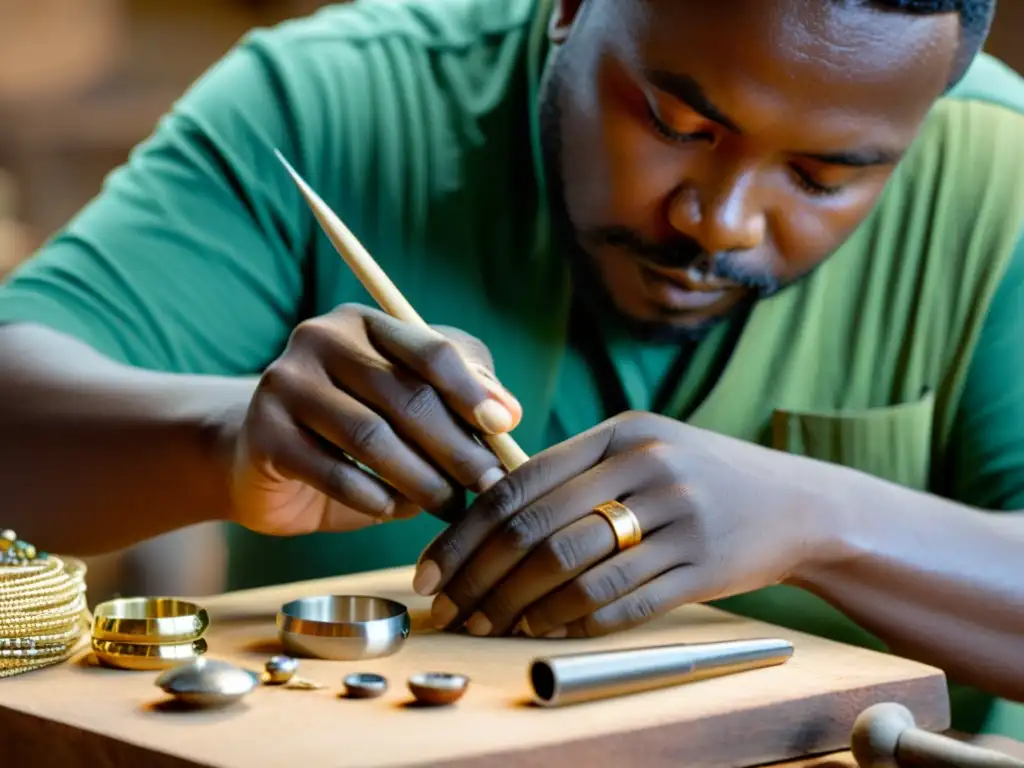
[[82, 715]]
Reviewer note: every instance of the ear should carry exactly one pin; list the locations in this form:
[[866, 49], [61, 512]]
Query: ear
[[561, 20]]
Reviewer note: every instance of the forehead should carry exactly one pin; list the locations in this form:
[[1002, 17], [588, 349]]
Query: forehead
[[780, 60]]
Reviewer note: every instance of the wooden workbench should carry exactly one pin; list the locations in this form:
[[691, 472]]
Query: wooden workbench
[[79, 714]]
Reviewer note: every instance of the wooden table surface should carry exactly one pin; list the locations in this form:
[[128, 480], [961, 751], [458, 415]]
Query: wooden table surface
[[80, 714], [842, 759]]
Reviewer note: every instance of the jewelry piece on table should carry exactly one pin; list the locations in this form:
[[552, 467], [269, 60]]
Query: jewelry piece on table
[[207, 682], [146, 657], [147, 633], [343, 627], [16, 552], [302, 684], [149, 621], [43, 611], [623, 521], [279, 670], [365, 685], [438, 689]]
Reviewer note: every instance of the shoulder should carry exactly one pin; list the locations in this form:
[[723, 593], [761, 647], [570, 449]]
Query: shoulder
[[972, 144], [444, 23], [934, 251], [331, 35], [384, 100], [989, 81], [961, 181], [363, 65]]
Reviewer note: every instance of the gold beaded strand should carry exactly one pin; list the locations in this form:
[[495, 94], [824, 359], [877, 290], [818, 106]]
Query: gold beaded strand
[[43, 610]]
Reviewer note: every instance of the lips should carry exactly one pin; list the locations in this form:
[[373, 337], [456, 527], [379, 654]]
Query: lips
[[692, 279], [676, 292]]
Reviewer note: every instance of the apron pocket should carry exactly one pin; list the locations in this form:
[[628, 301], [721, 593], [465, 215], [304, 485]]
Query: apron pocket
[[891, 442]]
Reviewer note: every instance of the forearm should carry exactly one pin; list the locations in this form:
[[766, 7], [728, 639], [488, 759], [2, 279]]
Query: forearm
[[96, 456], [936, 581]]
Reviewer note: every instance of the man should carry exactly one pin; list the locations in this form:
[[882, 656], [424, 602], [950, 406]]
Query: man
[[748, 274]]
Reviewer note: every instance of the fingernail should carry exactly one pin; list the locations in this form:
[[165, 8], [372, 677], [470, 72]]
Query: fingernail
[[405, 510], [489, 478], [488, 378], [492, 417], [557, 632], [443, 611], [427, 578], [479, 625]]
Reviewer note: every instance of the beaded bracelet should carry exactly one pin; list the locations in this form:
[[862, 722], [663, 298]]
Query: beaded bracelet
[[43, 609]]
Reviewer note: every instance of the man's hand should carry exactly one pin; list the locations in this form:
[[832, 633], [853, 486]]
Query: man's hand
[[719, 517], [357, 390]]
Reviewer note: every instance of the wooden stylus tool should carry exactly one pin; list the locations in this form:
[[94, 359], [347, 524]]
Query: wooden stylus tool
[[385, 293]]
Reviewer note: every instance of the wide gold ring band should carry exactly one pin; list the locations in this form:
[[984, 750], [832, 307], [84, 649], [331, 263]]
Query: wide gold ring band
[[624, 523], [149, 620]]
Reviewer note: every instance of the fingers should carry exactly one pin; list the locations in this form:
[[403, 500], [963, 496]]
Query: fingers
[[566, 556], [522, 532], [541, 475], [415, 411], [364, 435], [466, 385], [381, 414], [297, 454], [651, 599], [335, 382], [551, 490], [584, 594]]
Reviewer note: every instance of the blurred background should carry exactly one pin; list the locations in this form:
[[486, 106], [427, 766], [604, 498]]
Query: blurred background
[[83, 81]]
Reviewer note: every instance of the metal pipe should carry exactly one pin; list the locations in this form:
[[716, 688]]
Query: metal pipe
[[575, 678]]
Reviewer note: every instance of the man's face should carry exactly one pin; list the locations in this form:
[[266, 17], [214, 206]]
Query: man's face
[[704, 153]]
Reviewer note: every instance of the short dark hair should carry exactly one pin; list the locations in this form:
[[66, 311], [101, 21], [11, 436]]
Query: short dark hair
[[975, 22]]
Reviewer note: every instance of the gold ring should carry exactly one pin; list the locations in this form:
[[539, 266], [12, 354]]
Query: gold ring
[[624, 523], [146, 656], [142, 620]]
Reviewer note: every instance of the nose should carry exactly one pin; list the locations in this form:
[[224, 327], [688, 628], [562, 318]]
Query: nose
[[722, 215]]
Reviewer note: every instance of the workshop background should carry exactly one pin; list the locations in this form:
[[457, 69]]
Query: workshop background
[[83, 81]]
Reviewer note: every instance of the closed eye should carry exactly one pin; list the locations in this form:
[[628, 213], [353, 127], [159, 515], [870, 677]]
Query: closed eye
[[813, 187], [667, 131]]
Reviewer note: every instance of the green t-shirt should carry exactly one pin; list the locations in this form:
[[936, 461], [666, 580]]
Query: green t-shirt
[[416, 121]]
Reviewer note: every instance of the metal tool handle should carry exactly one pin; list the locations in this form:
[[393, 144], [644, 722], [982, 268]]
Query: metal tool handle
[[886, 736]]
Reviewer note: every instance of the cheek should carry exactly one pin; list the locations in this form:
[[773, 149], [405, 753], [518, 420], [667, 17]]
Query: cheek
[[617, 173], [807, 233]]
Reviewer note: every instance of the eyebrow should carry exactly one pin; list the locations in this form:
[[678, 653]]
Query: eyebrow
[[687, 90]]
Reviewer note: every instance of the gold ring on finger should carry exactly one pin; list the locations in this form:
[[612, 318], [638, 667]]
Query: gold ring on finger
[[623, 521]]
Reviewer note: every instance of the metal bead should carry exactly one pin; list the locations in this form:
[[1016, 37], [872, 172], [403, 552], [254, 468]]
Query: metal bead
[[365, 685], [280, 669], [438, 689]]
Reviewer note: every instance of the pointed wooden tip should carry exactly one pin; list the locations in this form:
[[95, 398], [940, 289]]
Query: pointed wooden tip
[[312, 198]]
